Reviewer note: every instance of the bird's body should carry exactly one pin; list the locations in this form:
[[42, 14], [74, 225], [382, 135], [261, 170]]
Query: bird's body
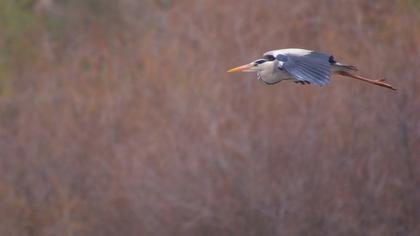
[[302, 66]]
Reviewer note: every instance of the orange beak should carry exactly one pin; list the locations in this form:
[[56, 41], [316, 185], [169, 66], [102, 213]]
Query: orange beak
[[243, 68]]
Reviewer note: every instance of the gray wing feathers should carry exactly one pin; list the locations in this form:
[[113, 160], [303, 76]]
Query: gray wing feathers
[[312, 71], [313, 67]]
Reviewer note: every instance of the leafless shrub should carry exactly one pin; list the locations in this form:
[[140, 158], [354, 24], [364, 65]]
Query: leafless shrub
[[122, 121]]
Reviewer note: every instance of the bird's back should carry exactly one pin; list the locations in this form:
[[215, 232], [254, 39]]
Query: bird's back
[[299, 52]]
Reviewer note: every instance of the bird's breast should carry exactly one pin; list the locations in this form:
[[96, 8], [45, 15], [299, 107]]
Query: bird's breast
[[272, 77]]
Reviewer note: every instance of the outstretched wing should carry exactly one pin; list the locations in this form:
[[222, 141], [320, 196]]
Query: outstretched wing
[[304, 65]]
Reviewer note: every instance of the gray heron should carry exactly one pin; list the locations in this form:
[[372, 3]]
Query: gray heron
[[301, 66]]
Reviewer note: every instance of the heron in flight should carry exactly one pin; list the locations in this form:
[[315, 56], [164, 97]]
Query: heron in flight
[[301, 66]]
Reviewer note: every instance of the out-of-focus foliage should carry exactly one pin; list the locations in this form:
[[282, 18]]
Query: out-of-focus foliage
[[16, 22], [118, 118]]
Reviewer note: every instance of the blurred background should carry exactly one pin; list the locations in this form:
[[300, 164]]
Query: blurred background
[[118, 118]]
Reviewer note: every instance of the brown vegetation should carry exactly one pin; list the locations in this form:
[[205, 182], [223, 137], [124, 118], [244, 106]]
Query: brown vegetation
[[118, 118]]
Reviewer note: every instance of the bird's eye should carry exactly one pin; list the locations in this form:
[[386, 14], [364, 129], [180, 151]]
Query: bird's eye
[[260, 61], [269, 57]]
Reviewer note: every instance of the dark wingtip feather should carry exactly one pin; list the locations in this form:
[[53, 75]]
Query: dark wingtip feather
[[332, 60]]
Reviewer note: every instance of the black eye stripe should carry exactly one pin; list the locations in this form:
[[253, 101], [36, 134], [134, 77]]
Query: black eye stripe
[[269, 57], [260, 61]]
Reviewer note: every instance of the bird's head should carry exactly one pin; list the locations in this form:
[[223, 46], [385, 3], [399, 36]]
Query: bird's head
[[255, 66]]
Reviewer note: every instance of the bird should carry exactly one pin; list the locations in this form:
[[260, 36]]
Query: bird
[[303, 67]]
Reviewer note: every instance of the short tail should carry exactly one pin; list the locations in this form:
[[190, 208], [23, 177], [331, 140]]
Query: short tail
[[337, 67]]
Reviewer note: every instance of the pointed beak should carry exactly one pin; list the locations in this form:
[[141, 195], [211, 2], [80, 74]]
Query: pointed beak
[[244, 68]]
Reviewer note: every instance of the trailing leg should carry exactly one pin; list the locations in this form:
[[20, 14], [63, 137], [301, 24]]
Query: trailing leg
[[380, 82]]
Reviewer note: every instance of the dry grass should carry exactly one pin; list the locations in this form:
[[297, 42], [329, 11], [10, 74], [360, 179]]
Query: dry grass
[[118, 118]]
